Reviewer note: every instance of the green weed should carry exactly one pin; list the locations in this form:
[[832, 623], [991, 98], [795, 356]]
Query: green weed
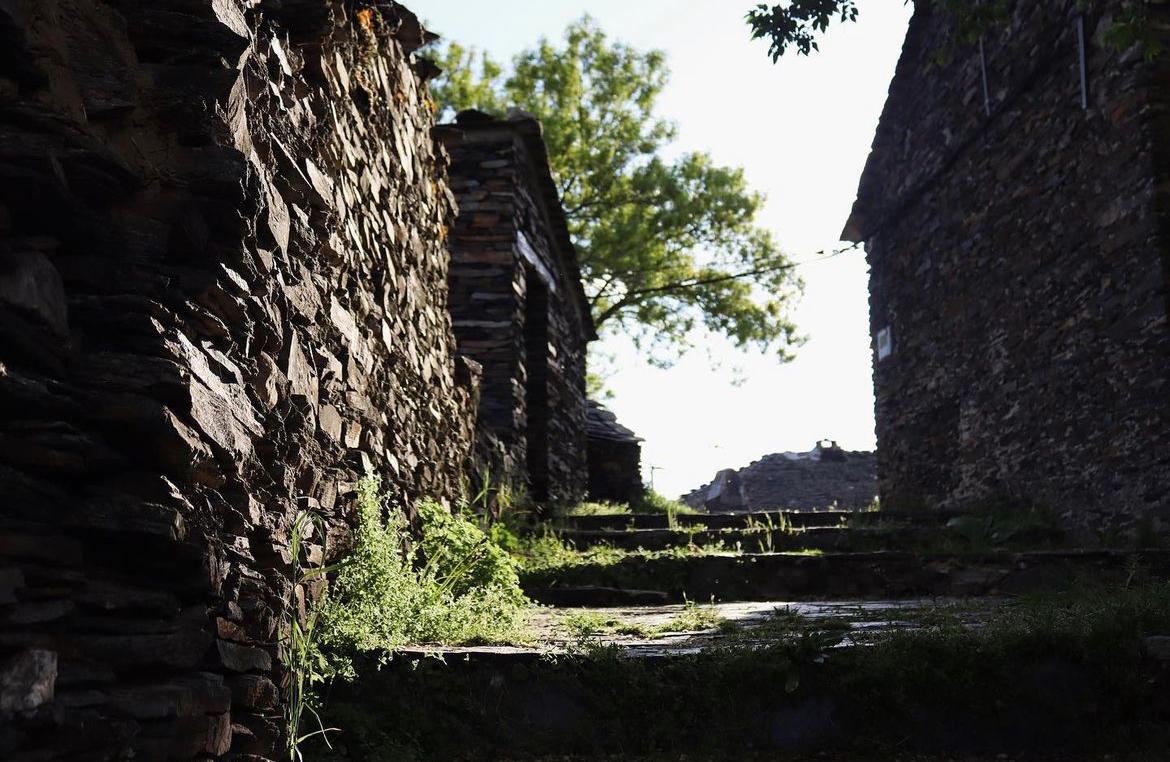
[[768, 527], [455, 586], [693, 618], [653, 502], [590, 508], [583, 624], [650, 502], [299, 648]]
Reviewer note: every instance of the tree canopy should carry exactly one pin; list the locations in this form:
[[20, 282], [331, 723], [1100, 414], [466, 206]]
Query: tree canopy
[[666, 243]]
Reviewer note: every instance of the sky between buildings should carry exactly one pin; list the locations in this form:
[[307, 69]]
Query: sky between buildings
[[802, 130]]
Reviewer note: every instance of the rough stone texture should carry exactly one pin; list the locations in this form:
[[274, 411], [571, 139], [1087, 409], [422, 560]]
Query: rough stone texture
[[615, 458], [1158, 647], [518, 306], [1019, 263], [825, 477], [222, 299]]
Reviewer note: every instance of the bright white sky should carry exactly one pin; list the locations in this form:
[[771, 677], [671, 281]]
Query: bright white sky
[[802, 129]]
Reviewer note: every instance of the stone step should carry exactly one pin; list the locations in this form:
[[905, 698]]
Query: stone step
[[831, 538], [643, 629], [775, 519], [755, 540], [828, 576], [786, 690]]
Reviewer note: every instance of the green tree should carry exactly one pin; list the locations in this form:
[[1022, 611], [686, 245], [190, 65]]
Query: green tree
[[666, 244], [798, 23]]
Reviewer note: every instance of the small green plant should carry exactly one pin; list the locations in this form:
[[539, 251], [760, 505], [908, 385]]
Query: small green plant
[[693, 618], [1135, 24], [496, 502], [692, 531], [1001, 526], [767, 527], [785, 625], [649, 502], [653, 502], [546, 550], [591, 508], [299, 648], [455, 586], [584, 624]]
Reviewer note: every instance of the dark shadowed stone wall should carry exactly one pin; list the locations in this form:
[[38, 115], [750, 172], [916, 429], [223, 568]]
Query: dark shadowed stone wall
[[615, 458], [222, 300], [1018, 270], [517, 302]]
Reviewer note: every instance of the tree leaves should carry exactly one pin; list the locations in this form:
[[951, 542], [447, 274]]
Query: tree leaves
[[799, 22], [666, 244]]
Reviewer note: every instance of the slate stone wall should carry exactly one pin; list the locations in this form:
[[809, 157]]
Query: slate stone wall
[[1019, 272], [615, 470], [222, 300], [513, 264], [615, 458]]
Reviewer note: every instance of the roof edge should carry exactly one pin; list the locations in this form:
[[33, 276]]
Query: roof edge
[[530, 130]]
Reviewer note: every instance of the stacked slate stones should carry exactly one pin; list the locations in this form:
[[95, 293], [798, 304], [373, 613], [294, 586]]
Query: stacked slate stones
[[615, 458], [222, 300], [518, 304]]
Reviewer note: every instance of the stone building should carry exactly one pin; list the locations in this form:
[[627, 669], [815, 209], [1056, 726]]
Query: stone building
[[615, 458], [223, 299], [825, 477], [518, 304], [1014, 211]]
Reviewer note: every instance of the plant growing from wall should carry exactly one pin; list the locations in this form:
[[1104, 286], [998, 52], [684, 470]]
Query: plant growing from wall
[[299, 648], [454, 586]]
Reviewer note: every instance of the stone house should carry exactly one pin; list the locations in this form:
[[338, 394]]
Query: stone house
[[615, 458], [1014, 211], [223, 299], [518, 304]]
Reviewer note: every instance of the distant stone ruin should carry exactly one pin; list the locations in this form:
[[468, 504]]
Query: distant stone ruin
[[823, 478]]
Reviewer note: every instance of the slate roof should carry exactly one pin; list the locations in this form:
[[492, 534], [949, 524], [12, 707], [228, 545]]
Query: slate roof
[[602, 424]]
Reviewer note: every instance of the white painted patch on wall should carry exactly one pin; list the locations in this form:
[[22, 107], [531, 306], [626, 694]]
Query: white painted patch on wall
[[885, 343]]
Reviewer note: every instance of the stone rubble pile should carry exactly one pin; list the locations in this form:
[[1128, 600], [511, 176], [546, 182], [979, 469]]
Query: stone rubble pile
[[822, 478]]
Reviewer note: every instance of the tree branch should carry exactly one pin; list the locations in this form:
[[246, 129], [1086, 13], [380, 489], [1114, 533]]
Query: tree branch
[[636, 295]]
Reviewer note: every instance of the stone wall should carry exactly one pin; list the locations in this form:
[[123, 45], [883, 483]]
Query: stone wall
[[615, 458], [513, 270], [1018, 258], [222, 300]]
